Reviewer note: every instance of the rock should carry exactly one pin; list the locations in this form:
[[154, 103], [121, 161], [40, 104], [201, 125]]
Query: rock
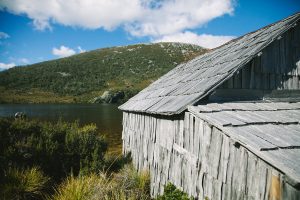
[[109, 97], [117, 97], [20, 115], [106, 97], [95, 100]]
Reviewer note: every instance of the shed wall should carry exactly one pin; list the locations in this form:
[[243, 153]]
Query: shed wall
[[277, 68], [199, 159]]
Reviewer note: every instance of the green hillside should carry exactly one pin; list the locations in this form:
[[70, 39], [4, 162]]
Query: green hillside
[[82, 77]]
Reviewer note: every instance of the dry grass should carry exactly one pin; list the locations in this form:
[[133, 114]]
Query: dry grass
[[127, 184], [32, 96], [24, 183]]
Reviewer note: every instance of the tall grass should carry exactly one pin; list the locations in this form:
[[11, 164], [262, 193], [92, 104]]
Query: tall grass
[[136, 184], [23, 184], [80, 188], [126, 184]]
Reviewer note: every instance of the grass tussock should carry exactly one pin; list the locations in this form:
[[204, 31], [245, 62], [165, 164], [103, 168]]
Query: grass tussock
[[24, 184], [126, 184]]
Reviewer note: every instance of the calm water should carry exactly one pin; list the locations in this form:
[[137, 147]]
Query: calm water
[[107, 117]]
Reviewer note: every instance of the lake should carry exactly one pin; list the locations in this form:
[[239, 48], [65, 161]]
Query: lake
[[107, 117]]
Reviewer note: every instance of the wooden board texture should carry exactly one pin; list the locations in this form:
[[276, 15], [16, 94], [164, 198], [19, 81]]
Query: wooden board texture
[[205, 159], [270, 130]]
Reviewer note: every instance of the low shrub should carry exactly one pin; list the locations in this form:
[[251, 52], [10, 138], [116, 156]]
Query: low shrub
[[172, 193], [58, 148]]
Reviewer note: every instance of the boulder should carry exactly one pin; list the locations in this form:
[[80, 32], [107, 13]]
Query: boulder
[[116, 97], [109, 97], [106, 97], [20, 115]]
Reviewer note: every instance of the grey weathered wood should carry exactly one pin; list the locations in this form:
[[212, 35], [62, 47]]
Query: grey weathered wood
[[277, 60], [219, 169]]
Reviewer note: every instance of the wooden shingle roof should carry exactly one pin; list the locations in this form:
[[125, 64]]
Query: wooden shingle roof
[[189, 82], [269, 130]]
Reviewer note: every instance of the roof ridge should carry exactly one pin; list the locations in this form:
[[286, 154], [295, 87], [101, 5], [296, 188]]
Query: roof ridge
[[264, 27]]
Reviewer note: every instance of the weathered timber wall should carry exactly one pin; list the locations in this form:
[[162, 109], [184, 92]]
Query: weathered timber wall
[[277, 68], [199, 159]]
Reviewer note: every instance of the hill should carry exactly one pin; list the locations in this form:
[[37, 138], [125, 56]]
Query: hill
[[120, 71]]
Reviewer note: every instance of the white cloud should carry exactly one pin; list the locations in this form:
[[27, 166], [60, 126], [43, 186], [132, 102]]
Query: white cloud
[[63, 51], [80, 50], [153, 18], [6, 65], [40, 24], [173, 16], [91, 14], [204, 40], [24, 61], [4, 35]]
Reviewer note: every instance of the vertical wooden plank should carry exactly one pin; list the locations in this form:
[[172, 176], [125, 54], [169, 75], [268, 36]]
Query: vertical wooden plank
[[253, 177], [186, 130], [181, 133], [258, 80], [207, 137], [196, 144], [252, 76], [272, 82], [237, 80], [230, 83], [216, 189], [266, 81], [215, 152], [275, 191], [246, 73], [290, 192], [279, 82], [225, 159], [191, 133], [201, 139]]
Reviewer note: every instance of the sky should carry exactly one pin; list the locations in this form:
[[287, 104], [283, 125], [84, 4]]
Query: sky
[[33, 31]]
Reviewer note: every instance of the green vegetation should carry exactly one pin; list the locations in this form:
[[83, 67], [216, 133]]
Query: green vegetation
[[83, 77], [58, 149], [172, 193], [23, 184], [42, 160], [127, 184]]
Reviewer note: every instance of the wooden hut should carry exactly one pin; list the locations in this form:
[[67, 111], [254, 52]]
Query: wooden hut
[[224, 125]]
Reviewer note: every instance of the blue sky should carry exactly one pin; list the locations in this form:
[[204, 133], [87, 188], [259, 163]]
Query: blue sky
[[33, 30]]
